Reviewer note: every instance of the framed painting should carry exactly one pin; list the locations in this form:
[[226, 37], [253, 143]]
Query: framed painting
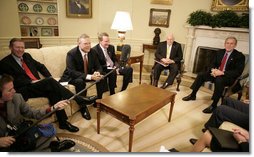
[[159, 17], [234, 5], [167, 2], [79, 8]]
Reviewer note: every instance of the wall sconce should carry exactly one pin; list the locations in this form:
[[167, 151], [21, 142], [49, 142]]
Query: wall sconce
[[121, 23]]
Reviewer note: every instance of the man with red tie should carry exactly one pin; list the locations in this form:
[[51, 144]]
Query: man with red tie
[[226, 67], [25, 71]]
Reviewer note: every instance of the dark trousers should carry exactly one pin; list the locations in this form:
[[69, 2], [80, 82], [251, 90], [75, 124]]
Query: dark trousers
[[51, 89], [173, 70], [232, 110], [220, 82], [111, 81], [127, 73]]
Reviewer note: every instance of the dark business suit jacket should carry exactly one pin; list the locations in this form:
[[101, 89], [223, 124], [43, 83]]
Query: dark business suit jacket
[[48, 87], [74, 72], [11, 67], [127, 72], [102, 58], [75, 65], [176, 53], [234, 66]]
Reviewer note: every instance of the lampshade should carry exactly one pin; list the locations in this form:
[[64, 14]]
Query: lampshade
[[122, 21]]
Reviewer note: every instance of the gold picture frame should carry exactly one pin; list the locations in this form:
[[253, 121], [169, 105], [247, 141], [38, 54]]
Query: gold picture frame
[[166, 2], [159, 17], [234, 5], [79, 8]]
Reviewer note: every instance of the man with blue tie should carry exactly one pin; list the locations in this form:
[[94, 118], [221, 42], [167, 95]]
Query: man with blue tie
[[227, 66]]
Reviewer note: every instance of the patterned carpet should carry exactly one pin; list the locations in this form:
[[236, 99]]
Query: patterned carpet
[[82, 144]]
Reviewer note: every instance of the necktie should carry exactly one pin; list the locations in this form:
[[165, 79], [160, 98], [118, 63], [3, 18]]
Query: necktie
[[108, 59], [85, 63], [223, 62], [168, 51], [28, 71]]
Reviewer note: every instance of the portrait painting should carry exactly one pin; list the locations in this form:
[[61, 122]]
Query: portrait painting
[[234, 5], [79, 8]]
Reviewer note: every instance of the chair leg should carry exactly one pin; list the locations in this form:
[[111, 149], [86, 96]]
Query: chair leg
[[179, 80]]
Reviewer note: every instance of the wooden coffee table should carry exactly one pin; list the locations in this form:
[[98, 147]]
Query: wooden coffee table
[[134, 105]]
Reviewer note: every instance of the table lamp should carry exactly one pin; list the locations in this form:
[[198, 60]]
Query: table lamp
[[121, 23]]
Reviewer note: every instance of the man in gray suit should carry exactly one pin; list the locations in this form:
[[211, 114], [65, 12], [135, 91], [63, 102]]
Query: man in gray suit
[[13, 109], [168, 56]]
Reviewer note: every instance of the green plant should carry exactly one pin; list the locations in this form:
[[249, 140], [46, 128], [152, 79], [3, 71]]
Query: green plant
[[244, 20], [199, 17], [226, 18]]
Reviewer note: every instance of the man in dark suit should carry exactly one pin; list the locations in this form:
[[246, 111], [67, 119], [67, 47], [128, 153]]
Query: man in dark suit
[[107, 58], [226, 67], [25, 71], [169, 54], [77, 8], [82, 65]]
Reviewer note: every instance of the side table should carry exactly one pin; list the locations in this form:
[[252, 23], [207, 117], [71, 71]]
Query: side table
[[149, 46]]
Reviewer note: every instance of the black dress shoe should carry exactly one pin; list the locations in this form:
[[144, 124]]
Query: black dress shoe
[[165, 85], [209, 109], [189, 97], [173, 150], [58, 146], [85, 113], [90, 99], [193, 141], [68, 126]]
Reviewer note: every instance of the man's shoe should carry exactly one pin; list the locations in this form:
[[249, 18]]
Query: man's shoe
[[90, 99], [68, 126], [58, 146], [85, 113], [189, 97], [209, 109], [193, 141], [173, 150], [165, 85], [204, 130]]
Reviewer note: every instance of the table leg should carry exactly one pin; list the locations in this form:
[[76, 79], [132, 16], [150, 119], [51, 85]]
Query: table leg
[[131, 132], [171, 110], [98, 118], [140, 72]]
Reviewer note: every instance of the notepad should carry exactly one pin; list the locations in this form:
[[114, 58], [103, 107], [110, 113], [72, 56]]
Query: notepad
[[225, 138]]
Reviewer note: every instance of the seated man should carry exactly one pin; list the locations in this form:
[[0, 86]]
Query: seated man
[[82, 65], [231, 110], [169, 54], [227, 66], [107, 58], [12, 110], [25, 71]]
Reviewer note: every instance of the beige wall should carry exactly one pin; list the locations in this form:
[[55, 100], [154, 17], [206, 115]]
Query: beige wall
[[103, 14]]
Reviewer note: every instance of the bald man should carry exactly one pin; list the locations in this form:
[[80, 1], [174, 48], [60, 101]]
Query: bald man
[[170, 54]]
